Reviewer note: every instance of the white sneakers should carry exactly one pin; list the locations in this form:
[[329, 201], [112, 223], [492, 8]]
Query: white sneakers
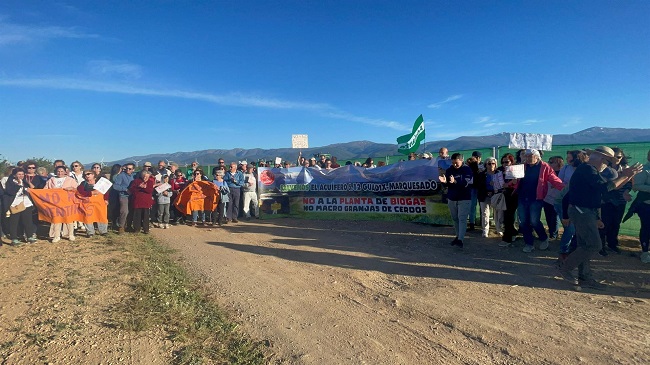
[[528, 248], [56, 239], [543, 245], [72, 238]]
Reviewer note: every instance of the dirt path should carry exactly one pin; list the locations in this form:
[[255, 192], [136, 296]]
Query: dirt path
[[397, 293]]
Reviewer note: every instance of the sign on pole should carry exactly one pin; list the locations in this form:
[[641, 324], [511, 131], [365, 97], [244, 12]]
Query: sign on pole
[[299, 141]]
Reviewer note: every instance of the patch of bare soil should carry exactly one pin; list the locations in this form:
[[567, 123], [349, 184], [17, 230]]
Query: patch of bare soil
[[55, 306], [328, 292]]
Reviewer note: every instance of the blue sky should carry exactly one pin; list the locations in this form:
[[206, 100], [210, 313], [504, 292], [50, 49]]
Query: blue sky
[[110, 79]]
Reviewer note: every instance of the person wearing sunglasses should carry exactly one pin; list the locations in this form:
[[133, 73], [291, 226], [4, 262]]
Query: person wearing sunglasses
[[77, 172], [121, 185], [141, 192], [32, 179], [87, 189], [61, 181]]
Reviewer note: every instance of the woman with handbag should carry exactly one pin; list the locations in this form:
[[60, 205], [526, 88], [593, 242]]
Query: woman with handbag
[[20, 207]]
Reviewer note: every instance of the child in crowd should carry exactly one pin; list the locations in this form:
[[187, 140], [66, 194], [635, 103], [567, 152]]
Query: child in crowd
[[163, 198]]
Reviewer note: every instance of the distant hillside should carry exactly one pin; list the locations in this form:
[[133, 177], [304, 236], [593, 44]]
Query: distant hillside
[[364, 149]]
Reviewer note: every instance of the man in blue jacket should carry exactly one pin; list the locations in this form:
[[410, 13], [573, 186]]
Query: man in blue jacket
[[235, 180], [121, 185]]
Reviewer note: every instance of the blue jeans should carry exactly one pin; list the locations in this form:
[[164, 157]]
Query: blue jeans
[[196, 214], [569, 232], [472, 208], [101, 227], [530, 212]]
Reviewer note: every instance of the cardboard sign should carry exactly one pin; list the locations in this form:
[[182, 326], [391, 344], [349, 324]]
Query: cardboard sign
[[299, 141]]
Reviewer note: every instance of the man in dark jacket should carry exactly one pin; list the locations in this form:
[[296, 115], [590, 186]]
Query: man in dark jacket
[[458, 179]]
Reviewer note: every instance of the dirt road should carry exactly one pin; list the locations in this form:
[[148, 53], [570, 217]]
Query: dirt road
[[327, 292]]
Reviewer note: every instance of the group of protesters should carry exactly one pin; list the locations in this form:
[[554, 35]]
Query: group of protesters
[[585, 193], [587, 196], [135, 200]]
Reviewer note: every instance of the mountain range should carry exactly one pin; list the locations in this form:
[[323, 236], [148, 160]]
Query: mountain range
[[364, 149]]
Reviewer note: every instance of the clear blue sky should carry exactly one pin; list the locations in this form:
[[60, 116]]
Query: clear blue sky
[[91, 79]]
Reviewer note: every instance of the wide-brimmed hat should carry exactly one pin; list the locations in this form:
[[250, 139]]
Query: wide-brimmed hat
[[603, 151]]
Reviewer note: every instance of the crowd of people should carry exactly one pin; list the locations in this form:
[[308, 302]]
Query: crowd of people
[[585, 193], [586, 196]]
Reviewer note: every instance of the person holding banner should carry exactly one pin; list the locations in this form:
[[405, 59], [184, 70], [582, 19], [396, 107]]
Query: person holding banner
[[141, 191], [458, 179], [19, 206], [61, 180], [532, 189], [87, 189]]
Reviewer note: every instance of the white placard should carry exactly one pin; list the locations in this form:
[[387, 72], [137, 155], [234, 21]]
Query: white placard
[[542, 142], [299, 141], [515, 171], [103, 185], [162, 187], [278, 160]]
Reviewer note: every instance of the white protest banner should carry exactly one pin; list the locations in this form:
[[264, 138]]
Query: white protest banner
[[542, 142], [299, 141], [515, 171], [162, 187], [278, 160], [103, 185]]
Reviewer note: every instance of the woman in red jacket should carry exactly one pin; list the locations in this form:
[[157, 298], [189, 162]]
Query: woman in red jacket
[[141, 191]]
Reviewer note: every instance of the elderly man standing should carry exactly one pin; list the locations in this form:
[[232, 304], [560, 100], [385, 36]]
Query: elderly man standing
[[586, 189], [121, 185], [532, 189], [235, 180]]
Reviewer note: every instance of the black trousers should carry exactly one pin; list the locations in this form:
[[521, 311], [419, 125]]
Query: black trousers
[[22, 220], [141, 220], [512, 201], [611, 215]]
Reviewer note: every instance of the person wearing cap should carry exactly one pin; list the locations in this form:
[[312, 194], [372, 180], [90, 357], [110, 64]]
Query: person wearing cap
[[313, 164], [458, 180], [641, 206], [531, 190], [585, 194], [243, 166], [162, 170]]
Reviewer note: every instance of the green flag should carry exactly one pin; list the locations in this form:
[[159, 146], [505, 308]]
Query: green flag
[[411, 142]]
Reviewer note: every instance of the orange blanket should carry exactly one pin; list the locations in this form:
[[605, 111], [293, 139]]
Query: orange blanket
[[198, 195]]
